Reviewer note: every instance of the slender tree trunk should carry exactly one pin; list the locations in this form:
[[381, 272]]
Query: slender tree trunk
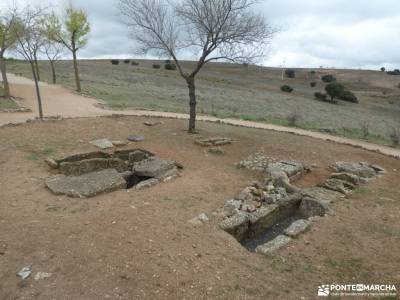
[[53, 70], [192, 103], [78, 82], [37, 67], [37, 89], [4, 76]]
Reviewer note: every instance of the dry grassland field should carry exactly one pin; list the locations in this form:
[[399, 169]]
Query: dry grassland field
[[236, 91]]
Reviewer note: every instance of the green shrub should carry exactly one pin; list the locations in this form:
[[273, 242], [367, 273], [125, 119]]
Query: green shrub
[[328, 78], [290, 73], [313, 72], [394, 72], [383, 69], [156, 66], [134, 63], [324, 97], [313, 84], [127, 61], [115, 61], [334, 90], [170, 66], [349, 97], [287, 89]]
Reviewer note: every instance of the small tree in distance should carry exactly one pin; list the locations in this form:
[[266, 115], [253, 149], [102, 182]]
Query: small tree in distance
[[53, 50], [73, 36], [213, 29]]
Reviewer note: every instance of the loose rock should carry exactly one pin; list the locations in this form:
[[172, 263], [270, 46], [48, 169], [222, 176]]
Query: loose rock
[[200, 219], [273, 245], [297, 227], [136, 138], [119, 143], [102, 143]]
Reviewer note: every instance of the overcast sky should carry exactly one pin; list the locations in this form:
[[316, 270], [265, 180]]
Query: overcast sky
[[313, 33]]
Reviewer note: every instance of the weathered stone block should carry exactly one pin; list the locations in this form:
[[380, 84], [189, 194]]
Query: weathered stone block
[[310, 207], [153, 167], [137, 155], [359, 169], [102, 143], [273, 245], [297, 227], [237, 225], [87, 185], [82, 156]]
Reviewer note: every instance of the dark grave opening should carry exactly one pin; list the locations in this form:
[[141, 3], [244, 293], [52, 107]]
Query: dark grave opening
[[134, 179], [251, 242]]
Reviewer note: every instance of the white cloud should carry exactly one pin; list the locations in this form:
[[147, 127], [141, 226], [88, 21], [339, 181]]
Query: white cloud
[[334, 33]]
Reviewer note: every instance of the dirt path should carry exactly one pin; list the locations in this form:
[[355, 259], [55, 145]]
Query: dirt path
[[58, 100]]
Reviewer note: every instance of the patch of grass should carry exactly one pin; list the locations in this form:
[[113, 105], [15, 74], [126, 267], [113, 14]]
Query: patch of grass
[[230, 91], [6, 104], [41, 154], [377, 228], [33, 157]]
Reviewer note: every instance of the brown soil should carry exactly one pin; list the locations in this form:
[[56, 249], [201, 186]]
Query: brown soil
[[139, 245]]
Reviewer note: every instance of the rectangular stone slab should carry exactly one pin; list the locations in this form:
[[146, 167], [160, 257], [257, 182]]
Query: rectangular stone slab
[[153, 167], [87, 185]]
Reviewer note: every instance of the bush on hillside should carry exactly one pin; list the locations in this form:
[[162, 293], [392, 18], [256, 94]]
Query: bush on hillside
[[290, 73], [383, 69], [127, 61], [115, 61], [349, 97], [313, 84], [134, 63], [334, 90], [170, 66], [394, 72], [287, 89], [156, 66], [313, 72], [328, 78]]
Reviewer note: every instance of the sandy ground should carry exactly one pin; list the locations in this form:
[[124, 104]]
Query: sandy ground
[[139, 245]]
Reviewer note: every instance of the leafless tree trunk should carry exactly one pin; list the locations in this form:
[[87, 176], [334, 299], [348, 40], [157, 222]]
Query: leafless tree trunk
[[53, 72], [3, 69], [77, 80], [192, 103], [39, 97], [214, 29], [36, 66]]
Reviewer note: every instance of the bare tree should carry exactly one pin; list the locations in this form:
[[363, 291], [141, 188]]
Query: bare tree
[[7, 41], [213, 29], [30, 38], [54, 53]]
